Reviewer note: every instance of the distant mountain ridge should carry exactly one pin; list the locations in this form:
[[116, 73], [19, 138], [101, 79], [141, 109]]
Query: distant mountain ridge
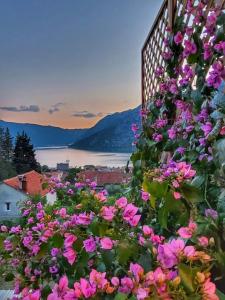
[[111, 134], [44, 136]]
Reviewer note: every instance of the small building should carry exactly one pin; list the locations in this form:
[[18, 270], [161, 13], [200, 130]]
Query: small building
[[17, 189], [63, 167]]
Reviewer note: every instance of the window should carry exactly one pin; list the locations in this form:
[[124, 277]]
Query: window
[[7, 206]]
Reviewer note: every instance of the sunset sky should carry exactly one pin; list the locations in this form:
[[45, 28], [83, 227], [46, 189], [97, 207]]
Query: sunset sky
[[69, 63]]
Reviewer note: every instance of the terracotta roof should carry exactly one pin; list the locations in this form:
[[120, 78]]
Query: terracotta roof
[[33, 185], [105, 177]]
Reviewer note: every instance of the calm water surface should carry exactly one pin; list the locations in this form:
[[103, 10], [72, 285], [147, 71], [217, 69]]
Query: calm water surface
[[52, 156]]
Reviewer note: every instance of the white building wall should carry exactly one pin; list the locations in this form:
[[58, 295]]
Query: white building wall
[[51, 198], [12, 196]]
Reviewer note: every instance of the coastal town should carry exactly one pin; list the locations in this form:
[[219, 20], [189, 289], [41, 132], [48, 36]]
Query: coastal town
[[15, 190]]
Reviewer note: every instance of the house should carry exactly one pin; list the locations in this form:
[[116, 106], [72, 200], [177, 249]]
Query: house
[[105, 177], [17, 189]]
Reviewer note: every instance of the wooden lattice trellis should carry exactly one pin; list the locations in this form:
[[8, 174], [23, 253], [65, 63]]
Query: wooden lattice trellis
[[154, 46]]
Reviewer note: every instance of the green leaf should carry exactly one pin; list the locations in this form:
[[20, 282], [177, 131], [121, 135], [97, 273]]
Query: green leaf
[[42, 252], [191, 193], [155, 188], [163, 216], [9, 277], [198, 181], [126, 250], [187, 275], [120, 296], [145, 262], [57, 241]]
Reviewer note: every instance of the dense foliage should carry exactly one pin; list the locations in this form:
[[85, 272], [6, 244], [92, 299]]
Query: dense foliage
[[165, 237]]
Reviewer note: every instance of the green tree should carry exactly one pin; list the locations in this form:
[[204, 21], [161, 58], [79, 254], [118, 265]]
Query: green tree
[[7, 170], [72, 174], [24, 155], [1, 143], [7, 145]]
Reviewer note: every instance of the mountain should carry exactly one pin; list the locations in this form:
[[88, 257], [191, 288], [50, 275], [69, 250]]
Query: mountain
[[111, 134], [44, 136]]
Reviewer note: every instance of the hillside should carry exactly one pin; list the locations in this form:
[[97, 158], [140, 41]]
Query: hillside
[[112, 133], [44, 136]]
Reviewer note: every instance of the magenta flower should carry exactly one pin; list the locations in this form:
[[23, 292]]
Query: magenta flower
[[87, 289], [115, 281], [108, 212], [106, 243], [89, 245], [98, 279], [121, 202], [71, 255], [187, 232], [189, 48], [207, 128], [59, 290], [172, 133], [137, 271], [203, 241], [70, 239], [35, 295], [178, 38], [126, 285], [129, 212], [145, 196]]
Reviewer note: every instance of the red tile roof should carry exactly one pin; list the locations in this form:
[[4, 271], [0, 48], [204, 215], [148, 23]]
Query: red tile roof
[[33, 186], [105, 177]]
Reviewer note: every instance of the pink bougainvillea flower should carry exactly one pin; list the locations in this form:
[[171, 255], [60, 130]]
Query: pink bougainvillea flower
[[69, 240], [209, 290], [59, 290], [178, 38], [121, 202], [115, 281], [108, 212], [187, 232], [98, 279], [142, 293], [87, 289], [63, 212], [137, 271], [89, 244], [145, 196], [147, 230], [177, 195], [106, 243], [203, 241], [189, 251], [134, 221], [134, 128], [126, 285], [70, 255], [129, 212], [36, 295]]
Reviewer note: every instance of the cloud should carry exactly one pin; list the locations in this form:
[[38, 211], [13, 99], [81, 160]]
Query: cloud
[[21, 108], [55, 107], [86, 114]]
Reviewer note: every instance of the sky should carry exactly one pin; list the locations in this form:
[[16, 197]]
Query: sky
[[69, 63]]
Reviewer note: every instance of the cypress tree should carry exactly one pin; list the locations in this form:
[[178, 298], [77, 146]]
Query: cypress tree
[[7, 145], [24, 154]]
